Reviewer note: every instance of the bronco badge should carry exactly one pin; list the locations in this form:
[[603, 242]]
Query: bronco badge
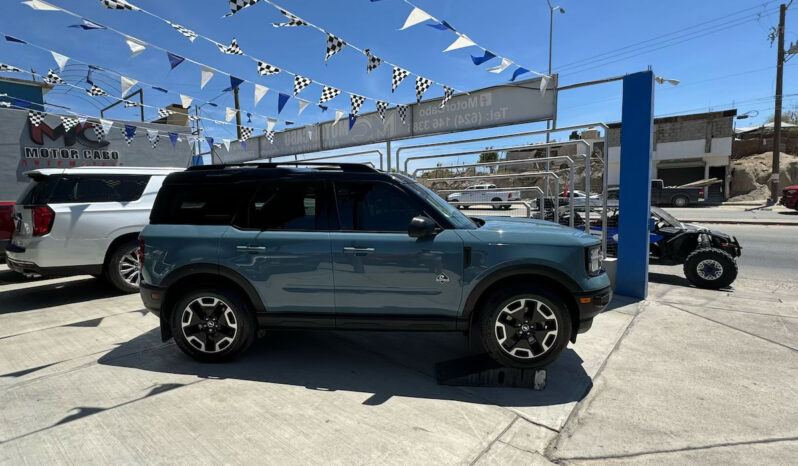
[[442, 278]]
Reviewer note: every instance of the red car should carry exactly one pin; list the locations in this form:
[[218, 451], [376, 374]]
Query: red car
[[6, 226], [789, 197]]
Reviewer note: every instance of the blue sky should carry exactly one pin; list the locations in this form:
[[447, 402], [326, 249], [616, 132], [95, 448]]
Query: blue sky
[[725, 62]]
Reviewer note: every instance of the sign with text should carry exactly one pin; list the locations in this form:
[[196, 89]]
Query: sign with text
[[503, 105]]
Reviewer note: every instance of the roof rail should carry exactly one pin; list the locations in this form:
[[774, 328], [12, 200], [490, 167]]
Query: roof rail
[[346, 167]]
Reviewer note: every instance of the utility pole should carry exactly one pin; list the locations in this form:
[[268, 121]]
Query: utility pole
[[551, 124], [774, 177], [238, 114]]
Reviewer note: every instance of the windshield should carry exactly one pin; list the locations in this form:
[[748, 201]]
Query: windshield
[[666, 217], [447, 210]]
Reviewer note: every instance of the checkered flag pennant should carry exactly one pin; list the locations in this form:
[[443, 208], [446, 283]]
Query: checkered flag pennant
[[5, 104], [334, 45], [448, 92], [52, 78], [163, 113], [402, 109], [36, 117], [119, 5], [153, 136], [129, 104], [270, 136], [128, 131], [292, 20], [68, 123], [372, 62], [300, 83], [232, 49], [95, 91], [422, 84], [328, 93], [356, 101], [399, 75], [191, 35], [4, 67], [246, 132], [236, 5], [190, 117], [265, 69], [381, 107]]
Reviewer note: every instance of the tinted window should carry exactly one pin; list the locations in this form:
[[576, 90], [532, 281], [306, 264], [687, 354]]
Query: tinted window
[[199, 204], [38, 191], [286, 206], [98, 188], [374, 207]]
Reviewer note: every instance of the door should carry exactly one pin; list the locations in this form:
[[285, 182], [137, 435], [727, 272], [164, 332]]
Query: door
[[280, 243], [379, 269]]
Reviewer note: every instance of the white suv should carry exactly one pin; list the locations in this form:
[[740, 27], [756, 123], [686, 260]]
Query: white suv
[[85, 220]]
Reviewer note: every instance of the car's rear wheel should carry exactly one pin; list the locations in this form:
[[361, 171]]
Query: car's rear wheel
[[455, 201], [212, 325], [122, 268], [679, 201], [710, 268], [524, 326], [494, 205]]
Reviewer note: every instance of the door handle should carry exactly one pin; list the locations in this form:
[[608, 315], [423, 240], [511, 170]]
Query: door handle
[[357, 251], [249, 248]]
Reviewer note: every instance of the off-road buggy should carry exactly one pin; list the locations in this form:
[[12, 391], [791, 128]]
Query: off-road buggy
[[708, 256]]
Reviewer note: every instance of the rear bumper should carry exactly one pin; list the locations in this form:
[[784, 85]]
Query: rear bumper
[[590, 304], [152, 297], [31, 268]]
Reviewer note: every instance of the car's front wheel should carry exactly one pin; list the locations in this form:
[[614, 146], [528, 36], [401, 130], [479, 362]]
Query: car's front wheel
[[212, 325], [710, 268], [122, 268], [524, 326]]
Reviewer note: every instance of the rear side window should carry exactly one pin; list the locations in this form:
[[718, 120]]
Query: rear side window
[[286, 206], [85, 188], [38, 191], [374, 206], [199, 204]]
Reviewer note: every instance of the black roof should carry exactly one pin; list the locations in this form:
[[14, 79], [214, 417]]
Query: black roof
[[242, 171]]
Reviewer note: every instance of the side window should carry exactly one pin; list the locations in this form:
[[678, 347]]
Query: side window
[[99, 188], [198, 204], [374, 206], [286, 206]]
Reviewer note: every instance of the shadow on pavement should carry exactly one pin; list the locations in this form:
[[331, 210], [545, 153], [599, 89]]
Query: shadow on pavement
[[55, 294], [793, 213], [339, 361], [668, 279]]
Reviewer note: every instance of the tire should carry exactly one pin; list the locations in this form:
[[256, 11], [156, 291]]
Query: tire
[[495, 206], [122, 268], [710, 268], [549, 316], [679, 201], [213, 316], [506, 206], [455, 201]]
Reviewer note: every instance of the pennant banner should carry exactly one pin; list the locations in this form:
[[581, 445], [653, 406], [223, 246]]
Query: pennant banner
[[61, 60], [174, 60], [461, 42], [381, 107], [126, 83], [270, 122], [300, 83], [191, 35], [152, 135], [518, 72], [302, 106], [501, 67], [480, 60], [448, 92], [402, 110], [281, 101], [237, 5], [13, 69], [36, 117], [270, 136], [246, 132], [352, 119], [135, 45], [95, 91], [399, 75], [86, 25], [229, 113], [226, 143], [173, 138], [52, 78], [40, 5], [206, 75], [373, 62], [416, 16], [334, 45], [185, 100], [232, 49], [338, 115], [292, 20], [119, 5], [260, 91], [422, 84], [68, 123], [356, 101], [129, 131], [265, 69], [328, 93]]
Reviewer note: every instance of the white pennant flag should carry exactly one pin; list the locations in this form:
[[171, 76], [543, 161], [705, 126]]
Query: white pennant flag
[[106, 125], [544, 83], [416, 16], [462, 41], [207, 74], [338, 115], [185, 100], [127, 83], [40, 5], [227, 143], [82, 119], [260, 91], [60, 59], [229, 113], [302, 106], [270, 122], [501, 67], [136, 46]]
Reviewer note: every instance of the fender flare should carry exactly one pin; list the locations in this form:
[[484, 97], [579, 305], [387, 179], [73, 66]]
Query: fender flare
[[215, 269]]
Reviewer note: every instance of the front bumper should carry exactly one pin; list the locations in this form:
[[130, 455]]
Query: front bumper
[[789, 202], [590, 304]]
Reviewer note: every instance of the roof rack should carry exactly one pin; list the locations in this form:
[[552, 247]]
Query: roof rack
[[346, 167]]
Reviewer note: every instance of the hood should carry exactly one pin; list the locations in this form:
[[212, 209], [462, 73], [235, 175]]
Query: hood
[[531, 231]]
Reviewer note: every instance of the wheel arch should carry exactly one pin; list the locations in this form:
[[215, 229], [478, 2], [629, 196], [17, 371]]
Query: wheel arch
[[121, 239], [558, 282], [680, 196]]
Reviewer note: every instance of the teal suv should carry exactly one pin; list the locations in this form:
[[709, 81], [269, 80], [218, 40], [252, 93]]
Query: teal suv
[[231, 249]]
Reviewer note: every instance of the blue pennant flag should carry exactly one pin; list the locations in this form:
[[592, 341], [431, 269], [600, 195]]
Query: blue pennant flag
[[156, 88], [88, 74], [211, 104], [234, 83], [480, 60], [130, 131], [209, 140], [249, 117], [87, 25], [288, 123], [173, 138], [196, 160], [518, 72], [352, 119], [14, 39], [442, 26], [20, 103], [244, 145], [282, 99], [322, 107], [174, 60]]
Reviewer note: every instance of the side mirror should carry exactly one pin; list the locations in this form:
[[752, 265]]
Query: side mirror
[[421, 227]]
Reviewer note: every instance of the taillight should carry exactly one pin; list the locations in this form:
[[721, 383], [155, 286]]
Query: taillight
[[700, 193], [509, 195], [142, 248], [43, 217]]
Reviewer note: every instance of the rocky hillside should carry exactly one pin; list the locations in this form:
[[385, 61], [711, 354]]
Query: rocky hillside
[[749, 175]]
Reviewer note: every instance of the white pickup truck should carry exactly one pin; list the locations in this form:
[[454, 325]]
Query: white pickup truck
[[487, 193]]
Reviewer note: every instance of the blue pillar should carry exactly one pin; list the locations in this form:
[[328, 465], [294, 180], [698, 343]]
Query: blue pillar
[[634, 204]]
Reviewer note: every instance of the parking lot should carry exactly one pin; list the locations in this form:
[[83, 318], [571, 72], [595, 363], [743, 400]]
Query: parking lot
[[85, 376]]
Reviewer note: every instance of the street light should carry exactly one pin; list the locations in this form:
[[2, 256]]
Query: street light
[[549, 124], [661, 80]]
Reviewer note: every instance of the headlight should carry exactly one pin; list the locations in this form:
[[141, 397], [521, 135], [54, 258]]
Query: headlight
[[593, 260], [791, 191]]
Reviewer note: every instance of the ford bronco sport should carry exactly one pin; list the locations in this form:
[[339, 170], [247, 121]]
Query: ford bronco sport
[[231, 249]]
